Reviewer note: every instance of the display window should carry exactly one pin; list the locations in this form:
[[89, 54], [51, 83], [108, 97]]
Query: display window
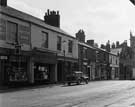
[[17, 73], [41, 72]]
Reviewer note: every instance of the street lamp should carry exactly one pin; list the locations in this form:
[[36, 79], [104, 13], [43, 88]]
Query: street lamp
[[17, 53], [64, 50]]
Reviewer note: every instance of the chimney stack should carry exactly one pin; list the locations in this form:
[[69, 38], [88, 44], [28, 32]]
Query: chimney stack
[[113, 46], [52, 18], [117, 44], [80, 35], [102, 46], [108, 46], [90, 42], [3, 3]]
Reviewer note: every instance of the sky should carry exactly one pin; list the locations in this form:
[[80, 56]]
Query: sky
[[101, 20]]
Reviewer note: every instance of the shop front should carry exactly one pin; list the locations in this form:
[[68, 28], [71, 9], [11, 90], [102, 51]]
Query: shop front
[[16, 69], [65, 67], [42, 72], [13, 68], [44, 66]]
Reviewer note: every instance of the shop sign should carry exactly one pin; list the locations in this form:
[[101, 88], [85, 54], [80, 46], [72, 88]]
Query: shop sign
[[3, 57], [15, 58]]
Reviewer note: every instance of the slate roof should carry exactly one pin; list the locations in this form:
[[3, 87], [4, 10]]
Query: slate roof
[[29, 18]]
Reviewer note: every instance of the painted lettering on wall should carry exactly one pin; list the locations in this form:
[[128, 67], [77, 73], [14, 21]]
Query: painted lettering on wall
[[24, 34]]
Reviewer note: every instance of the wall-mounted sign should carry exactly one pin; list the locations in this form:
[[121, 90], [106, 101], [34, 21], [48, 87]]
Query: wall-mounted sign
[[4, 57], [24, 34]]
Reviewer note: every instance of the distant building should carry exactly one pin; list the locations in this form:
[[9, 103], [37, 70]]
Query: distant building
[[86, 55], [125, 54], [102, 64], [86, 59], [132, 59], [80, 36], [114, 66]]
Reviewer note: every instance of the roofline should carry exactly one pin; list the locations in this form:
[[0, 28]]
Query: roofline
[[30, 21], [107, 51], [86, 45], [113, 54]]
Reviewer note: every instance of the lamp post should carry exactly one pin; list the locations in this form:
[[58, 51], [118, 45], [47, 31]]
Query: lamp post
[[17, 53], [64, 50]]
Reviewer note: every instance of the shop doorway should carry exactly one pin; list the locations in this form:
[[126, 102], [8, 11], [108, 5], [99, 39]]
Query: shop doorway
[[59, 71]]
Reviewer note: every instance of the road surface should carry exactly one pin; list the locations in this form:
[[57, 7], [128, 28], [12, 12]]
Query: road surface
[[94, 94]]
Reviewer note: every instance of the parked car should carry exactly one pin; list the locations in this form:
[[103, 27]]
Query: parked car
[[76, 77]]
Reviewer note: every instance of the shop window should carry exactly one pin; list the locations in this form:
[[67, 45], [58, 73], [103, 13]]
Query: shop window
[[11, 32], [70, 46], [16, 73], [44, 40], [58, 43], [41, 72]]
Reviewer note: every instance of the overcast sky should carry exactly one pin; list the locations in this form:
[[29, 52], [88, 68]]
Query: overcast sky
[[102, 20]]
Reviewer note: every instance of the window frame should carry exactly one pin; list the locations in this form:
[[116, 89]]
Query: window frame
[[59, 43], [45, 43], [9, 38], [70, 46]]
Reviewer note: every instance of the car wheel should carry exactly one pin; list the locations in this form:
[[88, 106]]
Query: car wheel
[[86, 81]]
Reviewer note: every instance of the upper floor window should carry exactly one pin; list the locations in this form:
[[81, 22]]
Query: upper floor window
[[84, 52], [2, 29], [111, 59], [58, 43], [104, 56], [116, 61], [70, 46], [24, 33], [44, 40], [11, 32]]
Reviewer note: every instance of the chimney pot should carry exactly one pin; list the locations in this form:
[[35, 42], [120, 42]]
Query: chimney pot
[[3, 2], [57, 12], [48, 11], [90, 42], [52, 18]]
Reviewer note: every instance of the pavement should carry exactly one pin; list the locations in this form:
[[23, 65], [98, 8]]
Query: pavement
[[6, 89]]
